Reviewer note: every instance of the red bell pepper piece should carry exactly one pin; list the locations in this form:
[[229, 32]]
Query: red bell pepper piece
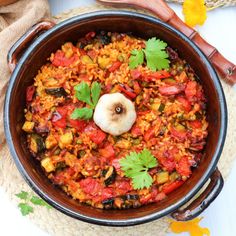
[[59, 117], [172, 186], [185, 103], [107, 151], [183, 166], [150, 133], [136, 74], [171, 90], [61, 60], [90, 35], [195, 124], [127, 91], [116, 65], [94, 133], [30, 93], [162, 74], [191, 89]]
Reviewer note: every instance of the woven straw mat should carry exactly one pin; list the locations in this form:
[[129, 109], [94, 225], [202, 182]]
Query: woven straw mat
[[56, 223]]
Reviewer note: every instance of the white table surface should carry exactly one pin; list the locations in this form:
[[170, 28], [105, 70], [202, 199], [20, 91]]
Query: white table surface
[[219, 30]]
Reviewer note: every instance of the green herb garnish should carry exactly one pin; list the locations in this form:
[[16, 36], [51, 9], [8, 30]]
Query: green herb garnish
[[155, 54], [27, 200], [89, 96], [136, 166]]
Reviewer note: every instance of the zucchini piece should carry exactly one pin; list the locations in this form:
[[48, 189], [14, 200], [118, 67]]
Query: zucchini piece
[[36, 143], [86, 59], [162, 177], [48, 165], [161, 107], [65, 139], [50, 141], [57, 92], [28, 126]]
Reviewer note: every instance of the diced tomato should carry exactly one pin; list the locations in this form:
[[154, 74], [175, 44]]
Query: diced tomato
[[196, 124], [90, 186], [123, 186], [95, 134], [172, 89], [107, 193], [78, 124], [127, 91], [116, 65], [136, 74], [59, 117], [160, 196], [136, 131], [185, 103], [191, 89], [61, 60], [90, 35], [168, 188], [108, 151], [116, 163], [92, 54], [168, 163], [136, 86], [150, 133], [178, 134], [183, 166], [30, 93]]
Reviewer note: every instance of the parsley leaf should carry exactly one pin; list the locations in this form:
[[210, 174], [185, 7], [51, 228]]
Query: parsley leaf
[[22, 195], [136, 59], [95, 91], [82, 113], [156, 55], [40, 202], [136, 166], [82, 92], [25, 209]]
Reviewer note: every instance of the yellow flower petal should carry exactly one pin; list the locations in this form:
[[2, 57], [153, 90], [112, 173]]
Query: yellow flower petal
[[194, 12], [192, 227]]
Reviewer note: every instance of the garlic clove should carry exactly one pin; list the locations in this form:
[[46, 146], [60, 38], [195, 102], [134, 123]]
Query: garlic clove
[[114, 114]]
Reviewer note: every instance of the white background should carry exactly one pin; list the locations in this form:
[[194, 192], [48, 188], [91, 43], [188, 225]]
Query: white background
[[219, 30]]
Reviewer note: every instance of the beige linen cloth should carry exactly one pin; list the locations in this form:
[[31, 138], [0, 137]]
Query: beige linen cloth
[[15, 19]]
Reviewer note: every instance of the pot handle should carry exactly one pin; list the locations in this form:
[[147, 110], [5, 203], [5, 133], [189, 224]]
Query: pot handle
[[203, 201], [24, 41], [225, 68]]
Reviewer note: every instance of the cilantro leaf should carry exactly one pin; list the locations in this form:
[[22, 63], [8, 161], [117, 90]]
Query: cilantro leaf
[[155, 53], [136, 166], [136, 59], [147, 159], [25, 209], [82, 113], [95, 91], [22, 195], [142, 180], [82, 92], [39, 201]]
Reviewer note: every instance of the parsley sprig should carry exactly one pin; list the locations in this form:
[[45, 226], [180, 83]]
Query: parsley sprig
[[26, 205], [155, 54], [136, 166], [89, 96]]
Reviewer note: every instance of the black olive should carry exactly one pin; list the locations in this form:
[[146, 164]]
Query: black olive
[[108, 203], [109, 175], [57, 92]]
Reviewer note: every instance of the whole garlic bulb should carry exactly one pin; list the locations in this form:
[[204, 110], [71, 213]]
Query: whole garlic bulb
[[114, 114]]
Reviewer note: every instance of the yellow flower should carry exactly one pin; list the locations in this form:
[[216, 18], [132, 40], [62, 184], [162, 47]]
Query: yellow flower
[[194, 12]]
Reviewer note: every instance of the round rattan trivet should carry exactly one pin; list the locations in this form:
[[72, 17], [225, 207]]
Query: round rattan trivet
[[56, 223]]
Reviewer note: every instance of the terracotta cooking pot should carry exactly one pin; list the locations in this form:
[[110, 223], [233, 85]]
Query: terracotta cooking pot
[[26, 66]]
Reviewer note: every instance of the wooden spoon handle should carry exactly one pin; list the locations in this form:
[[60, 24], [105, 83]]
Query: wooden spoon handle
[[225, 68]]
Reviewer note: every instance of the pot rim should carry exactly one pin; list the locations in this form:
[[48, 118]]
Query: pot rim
[[104, 221]]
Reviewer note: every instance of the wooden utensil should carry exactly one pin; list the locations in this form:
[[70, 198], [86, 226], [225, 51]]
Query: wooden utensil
[[225, 68]]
